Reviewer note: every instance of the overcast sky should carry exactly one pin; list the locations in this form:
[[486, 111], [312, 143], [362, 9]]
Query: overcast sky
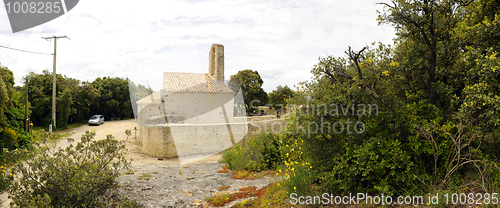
[[139, 40]]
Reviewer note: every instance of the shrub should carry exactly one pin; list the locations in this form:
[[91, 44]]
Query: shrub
[[76, 176], [296, 169], [260, 153], [5, 179]]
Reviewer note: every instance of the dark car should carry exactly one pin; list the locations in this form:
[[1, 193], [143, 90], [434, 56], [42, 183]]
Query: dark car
[[96, 120]]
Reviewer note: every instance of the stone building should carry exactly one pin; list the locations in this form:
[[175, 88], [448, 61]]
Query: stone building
[[196, 98], [192, 114]]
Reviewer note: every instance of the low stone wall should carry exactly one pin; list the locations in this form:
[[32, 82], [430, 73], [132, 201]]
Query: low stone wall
[[171, 140]]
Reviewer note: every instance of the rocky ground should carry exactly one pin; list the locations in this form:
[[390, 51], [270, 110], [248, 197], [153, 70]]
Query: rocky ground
[[161, 185]]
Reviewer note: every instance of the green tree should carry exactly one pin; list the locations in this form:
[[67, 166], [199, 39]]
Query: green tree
[[12, 134], [436, 91], [40, 96], [86, 99], [250, 83], [138, 92], [427, 49], [278, 97], [6, 90], [115, 97]]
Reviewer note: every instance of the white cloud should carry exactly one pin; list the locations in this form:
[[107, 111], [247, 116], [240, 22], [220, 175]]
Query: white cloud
[[141, 39]]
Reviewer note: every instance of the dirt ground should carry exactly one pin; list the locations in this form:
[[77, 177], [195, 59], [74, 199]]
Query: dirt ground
[[167, 188], [117, 129]]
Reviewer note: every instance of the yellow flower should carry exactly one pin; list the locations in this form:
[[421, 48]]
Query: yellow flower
[[294, 188]]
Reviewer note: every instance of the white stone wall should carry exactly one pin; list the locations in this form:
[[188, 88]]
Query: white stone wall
[[194, 108], [200, 108], [170, 140]]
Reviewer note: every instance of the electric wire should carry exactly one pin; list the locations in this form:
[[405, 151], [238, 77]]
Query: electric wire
[[1, 46]]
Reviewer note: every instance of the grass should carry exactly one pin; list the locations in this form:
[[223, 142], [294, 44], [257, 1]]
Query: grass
[[69, 126], [272, 195], [222, 199], [145, 176], [246, 175]]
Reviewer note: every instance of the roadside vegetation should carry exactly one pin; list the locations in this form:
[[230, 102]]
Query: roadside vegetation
[[78, 100], [34, 173], [417, 117], [82, 175]]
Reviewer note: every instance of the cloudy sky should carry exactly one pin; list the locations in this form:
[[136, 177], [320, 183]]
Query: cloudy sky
[[139, 40]]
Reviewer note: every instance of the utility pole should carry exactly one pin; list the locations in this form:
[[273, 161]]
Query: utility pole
[[26, 124], [54, 78]]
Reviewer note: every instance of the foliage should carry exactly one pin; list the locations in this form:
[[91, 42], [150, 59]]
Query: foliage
[[128, 132], [77, 101], [6, 179], [272, 196], [278, 97], [138, 92], [295, 168], [403, 144], [245, 192], [250, 83], [115, 97], [72, 177], [12, 134], [6, 90], [260, 153]]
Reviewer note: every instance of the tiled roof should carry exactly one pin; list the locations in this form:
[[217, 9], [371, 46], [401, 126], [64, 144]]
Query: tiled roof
[[192, 82]]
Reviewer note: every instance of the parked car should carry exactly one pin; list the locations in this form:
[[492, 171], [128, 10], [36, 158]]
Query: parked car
[[96, 120]]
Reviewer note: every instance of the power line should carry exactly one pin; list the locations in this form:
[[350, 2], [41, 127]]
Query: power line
[[25, 51]]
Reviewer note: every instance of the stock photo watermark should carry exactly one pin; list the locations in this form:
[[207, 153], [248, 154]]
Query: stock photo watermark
[[25, 14], [339, 113]]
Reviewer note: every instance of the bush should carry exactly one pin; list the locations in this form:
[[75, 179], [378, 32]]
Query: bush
[[73, 177], [260, 153], [5, 180], [296, 169]]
